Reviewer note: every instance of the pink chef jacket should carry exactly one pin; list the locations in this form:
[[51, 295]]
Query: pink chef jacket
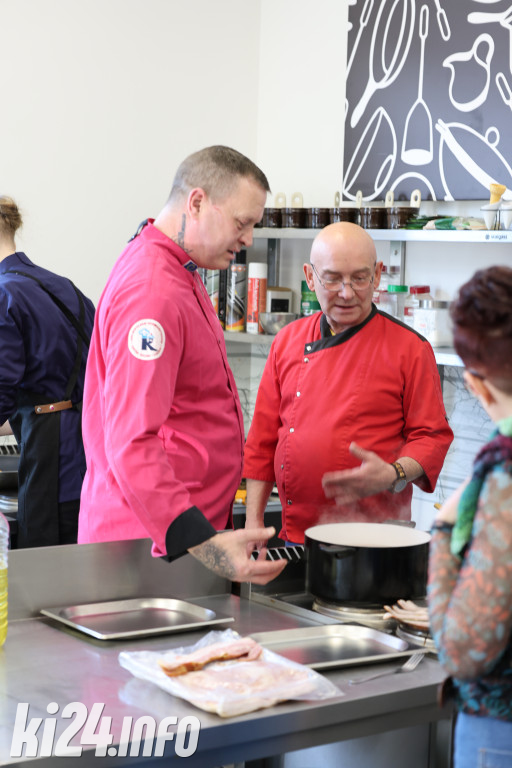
[[376, 384], [162, 423]]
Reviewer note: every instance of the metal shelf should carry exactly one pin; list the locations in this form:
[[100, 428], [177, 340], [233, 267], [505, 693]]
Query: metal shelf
[[398, 235]]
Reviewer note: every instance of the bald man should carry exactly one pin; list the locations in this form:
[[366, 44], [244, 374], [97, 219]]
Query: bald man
[[349, 412]]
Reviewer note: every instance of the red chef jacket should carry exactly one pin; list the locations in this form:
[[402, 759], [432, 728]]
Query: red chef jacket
[[376, 384], [162, 422]]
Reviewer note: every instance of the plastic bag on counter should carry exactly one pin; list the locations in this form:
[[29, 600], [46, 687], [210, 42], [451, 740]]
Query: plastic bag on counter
[[232, 687]]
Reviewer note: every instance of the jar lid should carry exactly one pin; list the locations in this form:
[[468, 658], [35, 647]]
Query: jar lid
[[420, 289], [398, 289], [433, 304]]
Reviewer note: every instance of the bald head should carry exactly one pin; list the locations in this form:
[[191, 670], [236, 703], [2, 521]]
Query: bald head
[[343, 271], [344, 238]]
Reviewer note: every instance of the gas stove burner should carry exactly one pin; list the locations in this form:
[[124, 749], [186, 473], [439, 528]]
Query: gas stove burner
[[369, 613], [414, 636]]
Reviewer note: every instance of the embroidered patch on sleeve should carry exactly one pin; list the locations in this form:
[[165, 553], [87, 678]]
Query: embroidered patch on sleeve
[[146, 339]]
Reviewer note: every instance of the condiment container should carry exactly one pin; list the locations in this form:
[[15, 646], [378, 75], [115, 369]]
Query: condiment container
[[256, 296], [272, 218], [343, 214], [371, 217], [293, 217], [416, 293], [4, 546], [398, 295], [237, 293], [397, 216], [317, 218], [432, 320], [309, 303]]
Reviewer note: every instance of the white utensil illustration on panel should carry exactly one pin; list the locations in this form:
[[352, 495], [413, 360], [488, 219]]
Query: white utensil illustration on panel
[[503, 87], [417, 176], [504, 18], [442, 22], [453, 136], [363, 21], [481, 72], [379, 133], [417, 141], [399, 48]]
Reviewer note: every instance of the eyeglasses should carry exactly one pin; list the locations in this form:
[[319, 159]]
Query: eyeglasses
[[356, 283]]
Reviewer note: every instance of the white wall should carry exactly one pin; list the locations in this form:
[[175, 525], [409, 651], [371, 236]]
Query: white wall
[[101, 100], [303, 51]]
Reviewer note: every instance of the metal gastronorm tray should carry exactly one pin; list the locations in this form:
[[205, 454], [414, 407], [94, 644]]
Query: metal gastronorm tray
[[135, 617], [335, 645]]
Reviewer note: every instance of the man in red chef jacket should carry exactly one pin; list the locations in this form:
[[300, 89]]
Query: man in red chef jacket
[[349, 411], [162, 422]]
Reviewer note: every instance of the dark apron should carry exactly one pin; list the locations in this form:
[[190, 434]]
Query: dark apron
[[36, 427]]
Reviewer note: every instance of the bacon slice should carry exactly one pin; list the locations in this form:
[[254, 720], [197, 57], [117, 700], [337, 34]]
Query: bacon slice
[[245, 649]]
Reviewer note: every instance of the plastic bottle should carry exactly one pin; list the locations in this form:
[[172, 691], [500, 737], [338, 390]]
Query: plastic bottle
[[412, 303], [4, 546], [398, 295], [256, 296], [237, 293]]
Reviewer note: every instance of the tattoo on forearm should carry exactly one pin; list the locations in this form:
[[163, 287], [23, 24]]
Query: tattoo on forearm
[[215, 559]]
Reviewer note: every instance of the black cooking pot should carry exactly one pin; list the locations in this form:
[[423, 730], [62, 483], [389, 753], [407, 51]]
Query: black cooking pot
[[366, 563]]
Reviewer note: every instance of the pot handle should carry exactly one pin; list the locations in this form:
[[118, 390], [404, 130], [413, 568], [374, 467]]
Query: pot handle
[[337, 549]]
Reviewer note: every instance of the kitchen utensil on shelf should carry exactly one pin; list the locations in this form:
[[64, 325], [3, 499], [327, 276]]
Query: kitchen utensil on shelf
[[417, 141], [409, 666]]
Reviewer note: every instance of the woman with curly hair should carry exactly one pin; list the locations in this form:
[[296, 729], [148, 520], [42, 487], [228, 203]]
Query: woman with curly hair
[[470, 571]]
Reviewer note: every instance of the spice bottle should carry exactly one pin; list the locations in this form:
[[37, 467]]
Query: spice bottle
[[4, 546], [237, 293], [256, 296], [398, 295], [412, 303]]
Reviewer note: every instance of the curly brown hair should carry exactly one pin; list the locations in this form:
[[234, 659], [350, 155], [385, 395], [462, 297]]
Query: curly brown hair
[[482, 325]]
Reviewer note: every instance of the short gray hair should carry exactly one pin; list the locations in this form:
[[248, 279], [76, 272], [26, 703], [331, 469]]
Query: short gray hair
[[217, 170]]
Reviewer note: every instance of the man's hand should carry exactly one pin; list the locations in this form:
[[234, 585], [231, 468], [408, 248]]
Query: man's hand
[[348, 485], [229, 555]]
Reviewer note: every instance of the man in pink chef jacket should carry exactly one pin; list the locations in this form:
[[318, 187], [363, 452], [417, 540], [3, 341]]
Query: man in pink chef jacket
[[162, 423], [349, 411]]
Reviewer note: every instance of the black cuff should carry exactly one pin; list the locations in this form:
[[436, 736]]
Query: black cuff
[[188, 530]]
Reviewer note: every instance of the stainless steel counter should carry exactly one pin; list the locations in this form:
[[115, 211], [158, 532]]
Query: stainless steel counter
[[42, 662]]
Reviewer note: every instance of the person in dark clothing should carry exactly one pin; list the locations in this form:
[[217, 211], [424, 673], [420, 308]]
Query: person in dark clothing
[[45, 328]]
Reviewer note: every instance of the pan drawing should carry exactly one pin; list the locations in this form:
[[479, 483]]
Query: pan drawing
[[464, 144], [379, 132], [381, 71]]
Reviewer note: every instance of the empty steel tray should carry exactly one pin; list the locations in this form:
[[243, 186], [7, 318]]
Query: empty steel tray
[[335, 645], [135, 617]]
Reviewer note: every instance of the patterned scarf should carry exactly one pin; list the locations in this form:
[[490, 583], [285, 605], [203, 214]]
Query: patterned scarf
[[496, 451]]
